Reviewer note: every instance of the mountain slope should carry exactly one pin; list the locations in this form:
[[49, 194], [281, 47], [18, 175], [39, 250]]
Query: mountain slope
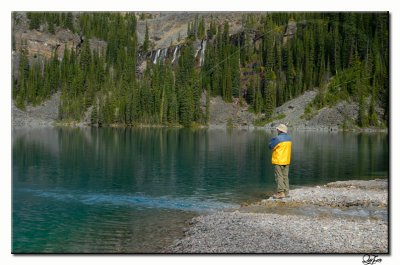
[[129, 69], [43, 115], [341, 116]]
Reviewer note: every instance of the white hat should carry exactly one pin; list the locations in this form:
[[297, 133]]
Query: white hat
[[282, 127]]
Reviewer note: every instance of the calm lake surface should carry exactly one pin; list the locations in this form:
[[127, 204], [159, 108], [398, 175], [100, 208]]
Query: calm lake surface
[[133, 190]]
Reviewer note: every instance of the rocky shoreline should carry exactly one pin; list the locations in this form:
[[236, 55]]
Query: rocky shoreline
[[222, 116], [340, 217]]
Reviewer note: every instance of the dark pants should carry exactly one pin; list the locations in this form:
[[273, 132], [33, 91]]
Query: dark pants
[[282, 178]]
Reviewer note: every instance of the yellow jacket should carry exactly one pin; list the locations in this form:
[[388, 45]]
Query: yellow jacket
[[281, 149]]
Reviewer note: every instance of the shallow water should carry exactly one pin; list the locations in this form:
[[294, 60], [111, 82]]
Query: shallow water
[[132, 190], [323, 211]]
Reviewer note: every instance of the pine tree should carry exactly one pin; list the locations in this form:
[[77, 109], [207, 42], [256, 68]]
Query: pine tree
[[212, 29], [320, 55], [51, 27], [146, 43], [337, 50], [201, 29], [373, 116], [268, 44], [21, 87], [69, 23], [185, 87], [270, 95], [34, 20], [362, 112], [85, 58], [94, 115], [349, 42]]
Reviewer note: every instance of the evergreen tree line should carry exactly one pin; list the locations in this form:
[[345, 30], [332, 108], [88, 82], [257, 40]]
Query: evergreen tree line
[[344, 55], [106, 81], [221, 72], [36, 81], [51, 20]]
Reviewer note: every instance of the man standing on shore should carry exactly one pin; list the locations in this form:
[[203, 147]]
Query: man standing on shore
[[281, 147]]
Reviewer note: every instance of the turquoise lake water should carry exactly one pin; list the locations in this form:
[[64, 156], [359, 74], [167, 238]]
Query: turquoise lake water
[[113, 190]]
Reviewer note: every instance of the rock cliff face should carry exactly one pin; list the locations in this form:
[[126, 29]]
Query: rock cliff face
[[171, 27], [290, 31], [38, 43]]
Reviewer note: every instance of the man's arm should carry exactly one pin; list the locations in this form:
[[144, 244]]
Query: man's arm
[[274, 141]]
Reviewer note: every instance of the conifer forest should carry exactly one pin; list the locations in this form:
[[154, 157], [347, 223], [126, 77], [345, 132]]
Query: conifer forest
[[345, 56]]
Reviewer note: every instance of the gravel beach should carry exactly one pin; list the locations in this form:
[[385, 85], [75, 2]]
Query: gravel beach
[[340, 217]]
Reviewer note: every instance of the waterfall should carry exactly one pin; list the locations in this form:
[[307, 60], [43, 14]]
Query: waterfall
[[203, 49], [197, 51], [175, 52], [164, 54], [156, 57]]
